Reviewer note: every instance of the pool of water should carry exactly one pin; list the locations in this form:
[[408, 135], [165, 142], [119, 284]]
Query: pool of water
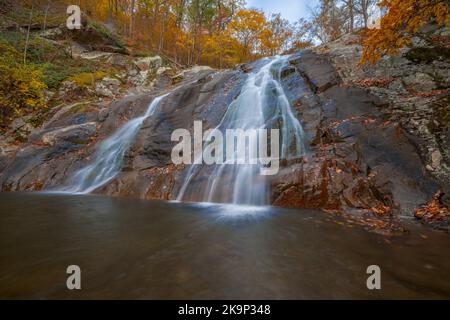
[[129, 249]]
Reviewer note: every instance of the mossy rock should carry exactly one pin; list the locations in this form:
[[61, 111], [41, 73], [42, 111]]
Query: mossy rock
[[428, 55], [86, 80], [98, 38]]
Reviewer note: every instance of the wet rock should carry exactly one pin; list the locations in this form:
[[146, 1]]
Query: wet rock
[[321, 74], [245, 68], [191, 72], [414, 104], [357, 156], [8, 150]]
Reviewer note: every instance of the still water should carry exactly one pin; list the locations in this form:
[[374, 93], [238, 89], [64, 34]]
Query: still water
[[129, 249]]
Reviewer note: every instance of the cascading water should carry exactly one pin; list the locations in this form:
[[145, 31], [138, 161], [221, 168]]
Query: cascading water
[[109, 155], [261, 105]]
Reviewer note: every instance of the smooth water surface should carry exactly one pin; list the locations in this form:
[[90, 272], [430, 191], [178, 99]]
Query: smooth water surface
[[161, 250]]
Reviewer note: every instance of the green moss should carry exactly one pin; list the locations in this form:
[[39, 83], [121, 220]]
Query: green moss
[[80, 107], [62, 69], [21, 85], [80, 142], [86, 80]]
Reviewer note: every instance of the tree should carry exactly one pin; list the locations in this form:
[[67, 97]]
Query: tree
[[327, 21], [349, 7], [277, 36], [363, 9], [249, 28], [301, 37], [403, 19]]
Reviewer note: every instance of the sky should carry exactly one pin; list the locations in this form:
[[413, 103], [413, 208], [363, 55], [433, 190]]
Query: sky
[[289, 9]]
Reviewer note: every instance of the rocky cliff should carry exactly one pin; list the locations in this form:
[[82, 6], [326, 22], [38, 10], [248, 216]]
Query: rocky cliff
[[377, 137]]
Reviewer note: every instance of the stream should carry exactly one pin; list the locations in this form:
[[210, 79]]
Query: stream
[[128, 249]]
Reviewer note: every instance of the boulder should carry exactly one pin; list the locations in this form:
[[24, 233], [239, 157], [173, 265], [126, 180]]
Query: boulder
[[17, 124], [94, 55], [149, 63], [103, 90], [111, 82], [321, 74], [103, 114], [162, 70], [436, 159], [420, 82], [119, 60], [53, 34], [78, 134], [96, 37]]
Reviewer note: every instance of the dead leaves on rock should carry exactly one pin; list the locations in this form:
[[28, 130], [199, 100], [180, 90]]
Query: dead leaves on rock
[[431, 93], [433, 211], [367, 83]]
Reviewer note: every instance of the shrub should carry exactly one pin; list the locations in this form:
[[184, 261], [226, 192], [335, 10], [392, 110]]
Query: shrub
[[21, 86], [38, 50]]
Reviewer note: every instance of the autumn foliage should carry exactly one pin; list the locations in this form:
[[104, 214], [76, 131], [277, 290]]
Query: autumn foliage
[[433, 211], [21, 86], [219, 33], [403, 20]]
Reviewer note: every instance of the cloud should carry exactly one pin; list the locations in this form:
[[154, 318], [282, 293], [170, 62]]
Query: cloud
[[289, 9]]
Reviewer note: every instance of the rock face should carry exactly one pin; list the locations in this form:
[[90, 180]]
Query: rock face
[[357, 158], [67, 141], [415, 86]]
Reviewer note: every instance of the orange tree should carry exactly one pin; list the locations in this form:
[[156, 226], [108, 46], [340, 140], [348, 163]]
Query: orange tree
[[249, 28], [403, 19]]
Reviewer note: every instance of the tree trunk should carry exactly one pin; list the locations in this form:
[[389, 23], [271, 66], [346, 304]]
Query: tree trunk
[[28, 34], [365, 12], [351, 13], [133, 3], [162, 32]]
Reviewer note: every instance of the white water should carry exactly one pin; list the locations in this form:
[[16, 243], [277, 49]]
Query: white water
[[261, 94], [109, 155]]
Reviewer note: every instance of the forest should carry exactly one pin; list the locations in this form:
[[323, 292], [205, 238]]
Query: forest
[[222, 33], [216, 33]]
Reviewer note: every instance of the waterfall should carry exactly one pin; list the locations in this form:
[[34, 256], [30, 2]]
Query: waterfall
[[108, 159], [261, 103]]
